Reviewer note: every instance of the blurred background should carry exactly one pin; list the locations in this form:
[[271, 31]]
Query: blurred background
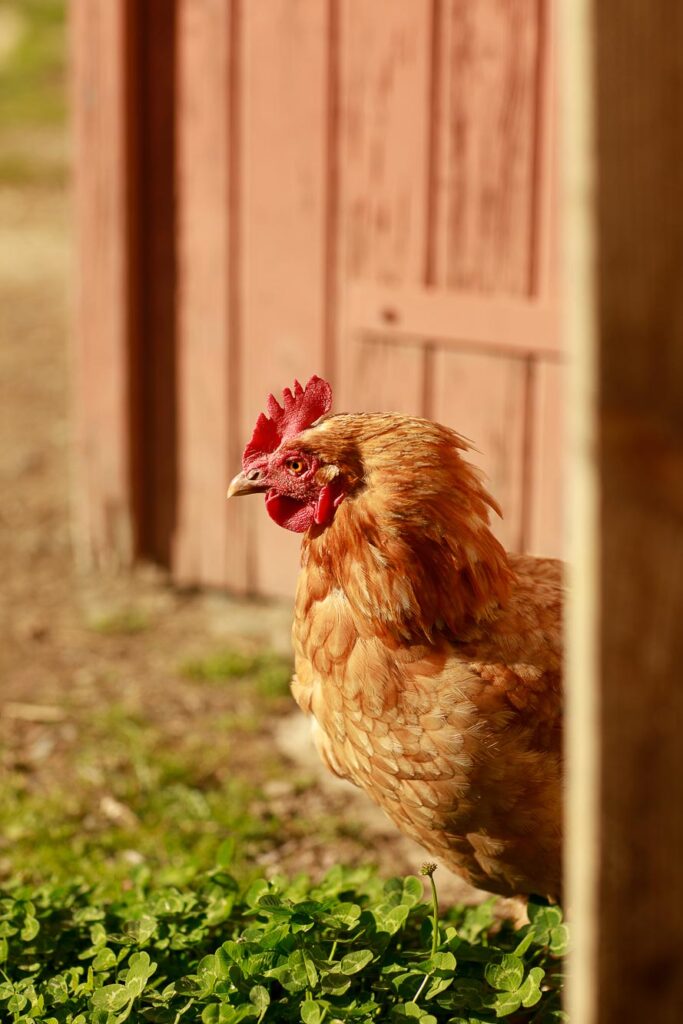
[[201, 201]]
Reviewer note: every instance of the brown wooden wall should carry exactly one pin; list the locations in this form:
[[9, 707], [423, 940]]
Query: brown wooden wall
[[362, 190]]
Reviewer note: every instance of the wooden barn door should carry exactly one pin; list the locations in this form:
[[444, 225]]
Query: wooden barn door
[[255, 288], [447, 254], [357, 188]]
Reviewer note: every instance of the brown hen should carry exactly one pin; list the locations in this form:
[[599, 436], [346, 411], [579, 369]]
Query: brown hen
[[428, 658]]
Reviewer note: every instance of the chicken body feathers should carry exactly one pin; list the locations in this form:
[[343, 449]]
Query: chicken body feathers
[[430, 660]]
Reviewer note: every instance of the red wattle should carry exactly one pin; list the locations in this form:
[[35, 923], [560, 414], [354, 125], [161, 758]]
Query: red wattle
[[324, 506], [297, 516], [290, 513], [329, 499]]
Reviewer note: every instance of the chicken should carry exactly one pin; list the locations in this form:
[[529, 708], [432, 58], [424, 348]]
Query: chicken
[[428, 658]]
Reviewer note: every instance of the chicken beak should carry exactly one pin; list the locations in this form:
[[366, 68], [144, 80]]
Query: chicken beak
[[247, 483]]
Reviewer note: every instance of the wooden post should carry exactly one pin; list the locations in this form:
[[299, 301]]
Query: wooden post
[[123, 77], [101, 50], [154, 442], [211, 538], [582, 739], [625, 851]]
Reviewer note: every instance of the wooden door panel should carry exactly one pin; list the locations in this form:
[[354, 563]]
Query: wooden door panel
[[388, 377], [547, 499], [482, 397], [283, 134], [384, 131], [364, 190], [499, 325], [384, 92], [487, 176], [210, 540], [103, 303]]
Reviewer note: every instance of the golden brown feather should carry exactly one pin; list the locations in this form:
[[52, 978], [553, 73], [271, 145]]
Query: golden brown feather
[[429, 658]]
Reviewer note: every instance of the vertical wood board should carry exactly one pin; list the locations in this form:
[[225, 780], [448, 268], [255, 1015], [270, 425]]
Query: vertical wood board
[[155, 243], [492, 231], [482, 398], [483, 229], [100, 35], [283, 211], [548, 496], [210, 542], [388, 377], [639, 306], [384, 136], [487, 175], [546, 281]]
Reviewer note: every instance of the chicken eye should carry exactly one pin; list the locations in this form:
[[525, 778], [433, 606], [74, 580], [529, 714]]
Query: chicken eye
[[295, 466]]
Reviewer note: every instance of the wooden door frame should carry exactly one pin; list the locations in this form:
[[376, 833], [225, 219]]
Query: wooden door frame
[[123, 125], [102, 58], [623, 155]]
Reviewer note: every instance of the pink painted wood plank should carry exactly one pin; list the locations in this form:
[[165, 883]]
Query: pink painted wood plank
[[103, 343], [385, 83], [503, 325], [389, 377], [211, 537], [485, 243], [546, 285], [284, 214], [384, 143], [547, 500], [548, 496], [487, 172], [482, 397]]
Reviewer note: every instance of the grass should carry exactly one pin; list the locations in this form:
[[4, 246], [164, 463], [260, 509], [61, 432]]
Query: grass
[[20, 168], [349, 948], [33, 70], [126, 622], [130, 890], [33, 94], [153, 789], [270, 672], [132, 798]]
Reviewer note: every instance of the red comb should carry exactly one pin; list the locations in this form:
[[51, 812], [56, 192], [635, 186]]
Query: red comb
[[302, 407]]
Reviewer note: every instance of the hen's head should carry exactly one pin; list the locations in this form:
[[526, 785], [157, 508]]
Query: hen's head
[[409, 516], [302, 488]]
